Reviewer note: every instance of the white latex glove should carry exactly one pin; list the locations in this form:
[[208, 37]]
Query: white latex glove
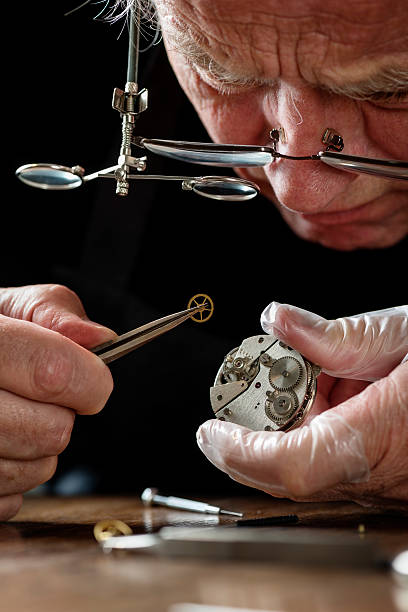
[[354, 443]]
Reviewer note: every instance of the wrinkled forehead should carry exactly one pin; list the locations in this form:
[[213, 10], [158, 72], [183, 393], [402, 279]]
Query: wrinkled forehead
[[251, 32]]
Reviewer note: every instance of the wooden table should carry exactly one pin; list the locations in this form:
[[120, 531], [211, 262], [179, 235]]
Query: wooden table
[[49, 561]]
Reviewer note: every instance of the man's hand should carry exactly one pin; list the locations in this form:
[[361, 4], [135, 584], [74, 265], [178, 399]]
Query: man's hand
[[46, 376], [354, 444]]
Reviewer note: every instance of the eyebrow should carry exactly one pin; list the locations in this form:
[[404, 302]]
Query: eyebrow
[[183, 43], [391, 80], [385, 81]]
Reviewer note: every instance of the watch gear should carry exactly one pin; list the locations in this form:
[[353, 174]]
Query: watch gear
[[281, 405], [201, 299], [239, 368], [285, 373]]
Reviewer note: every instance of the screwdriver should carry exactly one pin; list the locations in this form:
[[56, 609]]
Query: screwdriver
[[151, 497]]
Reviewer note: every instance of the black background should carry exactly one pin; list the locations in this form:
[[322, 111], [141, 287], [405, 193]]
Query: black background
[[133, 259]]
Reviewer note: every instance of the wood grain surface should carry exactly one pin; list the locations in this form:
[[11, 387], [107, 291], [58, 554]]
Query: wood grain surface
[[50, 561]]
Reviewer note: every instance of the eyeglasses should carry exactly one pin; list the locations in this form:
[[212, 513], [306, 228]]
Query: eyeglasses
[[241, 156], [132, 102]]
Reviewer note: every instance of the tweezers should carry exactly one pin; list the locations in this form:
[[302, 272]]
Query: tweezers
[[131, 340]]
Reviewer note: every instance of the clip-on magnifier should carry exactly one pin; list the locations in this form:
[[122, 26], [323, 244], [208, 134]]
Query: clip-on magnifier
[[131, 102]]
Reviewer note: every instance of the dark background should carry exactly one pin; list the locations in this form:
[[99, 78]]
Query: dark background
[[137, 258]]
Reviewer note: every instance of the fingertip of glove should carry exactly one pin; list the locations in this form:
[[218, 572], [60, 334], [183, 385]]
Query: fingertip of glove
[[219, 433], [283, 318], [268, 316], [275, 319], [207, 430]]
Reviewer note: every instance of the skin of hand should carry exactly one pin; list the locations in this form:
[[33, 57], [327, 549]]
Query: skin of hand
[[46, 377], [305, 66], [353, 444]]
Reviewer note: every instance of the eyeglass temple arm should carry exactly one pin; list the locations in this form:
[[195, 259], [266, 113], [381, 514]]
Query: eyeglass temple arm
[[396, 169]]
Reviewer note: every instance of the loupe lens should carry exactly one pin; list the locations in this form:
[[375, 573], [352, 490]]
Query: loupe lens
[[210, 154], [224, 189], [49, 176]]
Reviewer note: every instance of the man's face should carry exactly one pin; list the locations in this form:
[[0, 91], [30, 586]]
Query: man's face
[[304, 65]]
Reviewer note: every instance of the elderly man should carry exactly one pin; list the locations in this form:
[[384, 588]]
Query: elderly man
[[306, 66], [247, 68]]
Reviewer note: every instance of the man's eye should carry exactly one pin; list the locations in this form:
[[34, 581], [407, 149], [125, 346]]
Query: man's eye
[[396, 99], [223, 84], [226, 88]]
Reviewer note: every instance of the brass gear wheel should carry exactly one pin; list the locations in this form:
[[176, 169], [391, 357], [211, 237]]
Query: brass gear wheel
[[201, 299]]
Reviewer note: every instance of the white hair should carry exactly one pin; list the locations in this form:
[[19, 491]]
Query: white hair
[[147, 19], [121, 8]]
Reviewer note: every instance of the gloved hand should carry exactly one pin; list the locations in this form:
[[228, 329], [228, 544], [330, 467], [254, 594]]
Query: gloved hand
[[354, 443], [46, 376]]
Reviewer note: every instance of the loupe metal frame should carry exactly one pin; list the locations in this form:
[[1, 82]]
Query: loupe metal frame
[[130, 102], [205, 186]]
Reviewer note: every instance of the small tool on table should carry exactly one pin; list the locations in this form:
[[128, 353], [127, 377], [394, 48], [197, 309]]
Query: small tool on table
[[109, 351], [269, 521], [151, 497], [306, 547]]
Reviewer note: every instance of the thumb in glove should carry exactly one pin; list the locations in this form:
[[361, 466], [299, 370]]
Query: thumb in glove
[[365, 347]]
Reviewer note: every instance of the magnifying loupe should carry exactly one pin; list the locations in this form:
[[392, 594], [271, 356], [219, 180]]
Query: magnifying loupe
[[62, 178], [223, 188], [130, 103], [51, 176], [227, 188]]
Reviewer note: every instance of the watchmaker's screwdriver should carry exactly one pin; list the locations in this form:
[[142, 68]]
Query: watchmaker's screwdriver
[[151, 497]]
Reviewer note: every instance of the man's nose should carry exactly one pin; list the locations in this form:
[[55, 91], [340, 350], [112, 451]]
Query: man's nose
[[310, 185]]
